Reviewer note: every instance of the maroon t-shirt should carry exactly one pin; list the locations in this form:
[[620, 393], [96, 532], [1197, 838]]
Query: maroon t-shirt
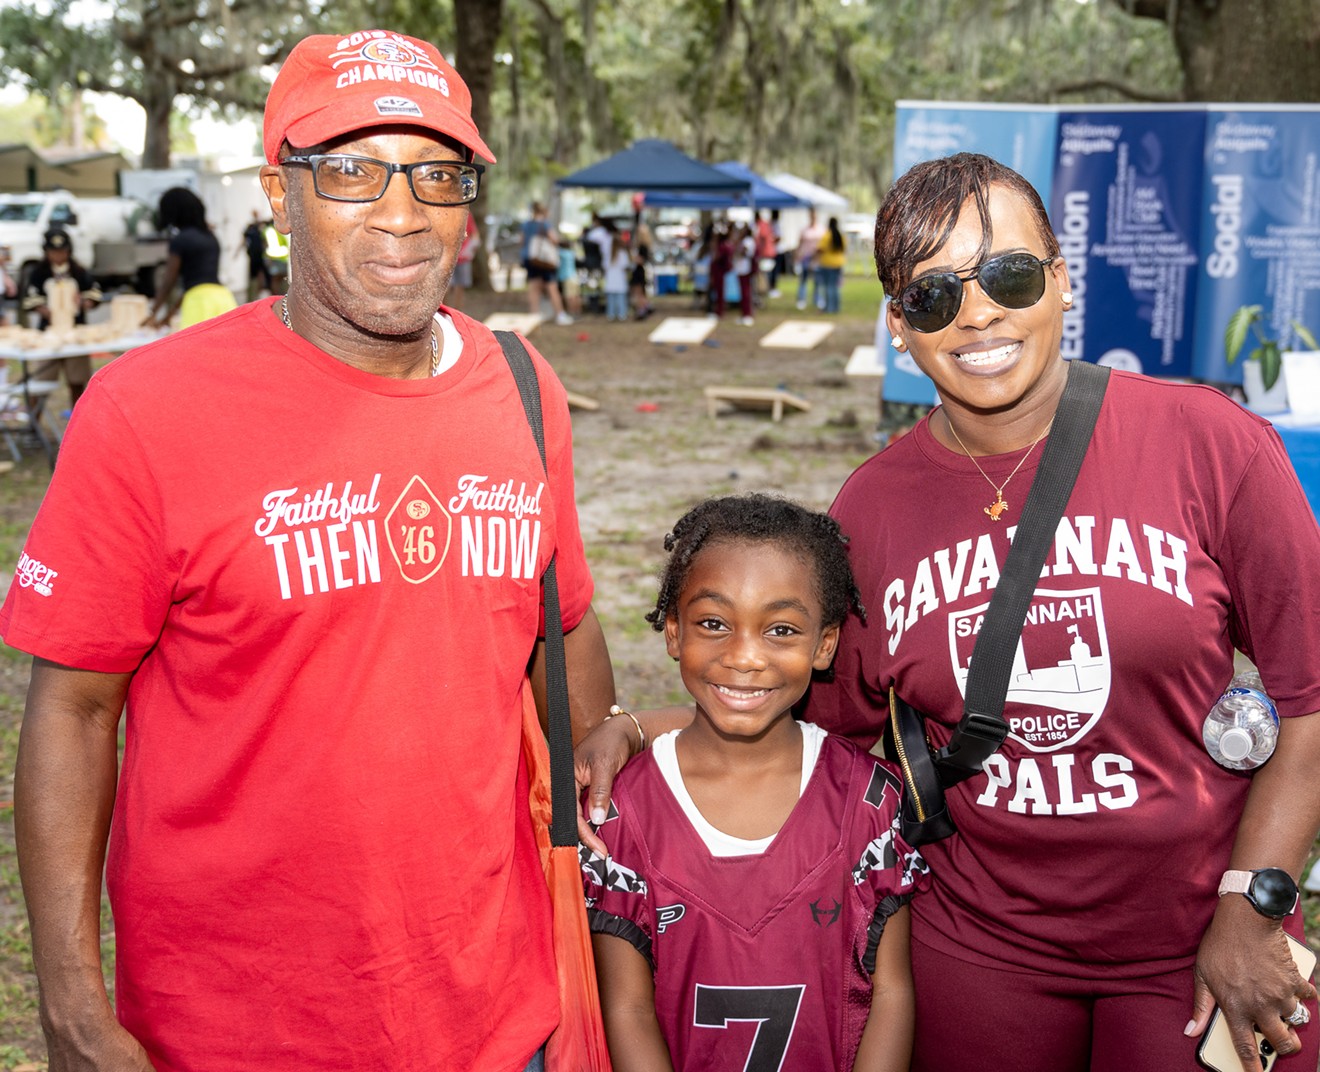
[[1097, 835]]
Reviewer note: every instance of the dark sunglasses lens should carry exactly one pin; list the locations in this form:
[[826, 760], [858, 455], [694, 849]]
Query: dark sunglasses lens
[[1015, 281], [931, 302]]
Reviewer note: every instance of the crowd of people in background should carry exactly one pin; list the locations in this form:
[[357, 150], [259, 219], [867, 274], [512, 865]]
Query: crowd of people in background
[[741, 262], [615, 266], [608, 270]]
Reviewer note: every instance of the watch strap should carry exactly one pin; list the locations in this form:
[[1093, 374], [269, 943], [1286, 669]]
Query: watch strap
[[1235, 882]]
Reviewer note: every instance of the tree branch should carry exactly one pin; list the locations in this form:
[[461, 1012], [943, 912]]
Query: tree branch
[[1129, 92], [1146, 9]]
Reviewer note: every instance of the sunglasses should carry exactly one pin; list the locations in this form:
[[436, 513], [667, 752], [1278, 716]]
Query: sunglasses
[[1014, 280]]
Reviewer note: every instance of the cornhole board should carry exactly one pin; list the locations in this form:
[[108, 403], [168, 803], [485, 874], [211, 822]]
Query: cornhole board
[[865, 361], [772, 399], [523, 323], [688, 330], [577, 401], [798, 334]]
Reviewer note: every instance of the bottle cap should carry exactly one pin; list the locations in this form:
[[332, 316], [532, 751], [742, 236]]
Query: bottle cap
[[1236, 743]]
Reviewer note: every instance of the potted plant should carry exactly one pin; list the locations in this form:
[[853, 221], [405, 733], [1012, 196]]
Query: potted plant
[[1266, 353]]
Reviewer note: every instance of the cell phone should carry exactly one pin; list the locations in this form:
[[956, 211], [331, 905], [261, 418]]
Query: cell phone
[[1216, 1050]]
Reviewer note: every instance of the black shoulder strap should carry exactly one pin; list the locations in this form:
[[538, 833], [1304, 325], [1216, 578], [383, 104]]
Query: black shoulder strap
[[563, 795], [983, 728]]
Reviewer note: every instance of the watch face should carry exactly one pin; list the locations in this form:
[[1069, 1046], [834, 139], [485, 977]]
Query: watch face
[[1272, 892]]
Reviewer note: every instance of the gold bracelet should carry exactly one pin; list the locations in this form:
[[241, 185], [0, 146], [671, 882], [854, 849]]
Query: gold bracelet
[[615, 709]]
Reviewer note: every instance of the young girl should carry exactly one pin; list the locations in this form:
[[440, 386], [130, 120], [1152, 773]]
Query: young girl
[[751, 913]]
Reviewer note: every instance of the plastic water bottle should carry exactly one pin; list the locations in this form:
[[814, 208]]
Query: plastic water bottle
[[1241, 730]]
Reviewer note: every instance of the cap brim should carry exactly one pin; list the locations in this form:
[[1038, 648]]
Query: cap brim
[[329, 123]]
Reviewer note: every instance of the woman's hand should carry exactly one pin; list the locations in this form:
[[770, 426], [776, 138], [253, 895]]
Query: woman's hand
[[596, 763], [600, 756], [1244, 966]]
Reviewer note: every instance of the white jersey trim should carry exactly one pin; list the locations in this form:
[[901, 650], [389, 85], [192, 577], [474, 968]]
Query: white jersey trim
[[717, 841]]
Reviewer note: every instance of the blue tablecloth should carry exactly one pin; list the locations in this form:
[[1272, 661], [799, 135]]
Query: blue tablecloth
[[1301, 438]]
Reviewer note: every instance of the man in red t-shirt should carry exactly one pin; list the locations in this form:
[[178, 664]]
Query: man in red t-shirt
[[303, 543]]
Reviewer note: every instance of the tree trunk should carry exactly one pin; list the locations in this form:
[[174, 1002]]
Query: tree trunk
[[477, 27], [157, 101], [1244, 50]]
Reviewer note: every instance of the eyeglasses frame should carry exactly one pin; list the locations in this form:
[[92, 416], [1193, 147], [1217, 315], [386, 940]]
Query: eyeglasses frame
[[310, 162]]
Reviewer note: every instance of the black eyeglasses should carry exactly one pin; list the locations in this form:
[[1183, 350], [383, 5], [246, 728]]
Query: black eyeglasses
[[341, 177], [1013, 280]]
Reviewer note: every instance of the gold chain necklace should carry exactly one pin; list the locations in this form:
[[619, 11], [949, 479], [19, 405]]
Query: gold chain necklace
[[995, 511], [435, 342]]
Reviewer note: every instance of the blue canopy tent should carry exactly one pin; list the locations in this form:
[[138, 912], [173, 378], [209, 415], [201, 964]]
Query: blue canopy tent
[[653, 164], [759, 194]]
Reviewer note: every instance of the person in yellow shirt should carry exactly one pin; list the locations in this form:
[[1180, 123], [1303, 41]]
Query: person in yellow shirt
[[831, 256]]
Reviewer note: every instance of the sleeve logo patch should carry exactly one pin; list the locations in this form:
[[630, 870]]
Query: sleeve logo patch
[[29, 573]]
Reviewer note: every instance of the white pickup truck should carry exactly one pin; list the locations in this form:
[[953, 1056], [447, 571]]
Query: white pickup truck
[[114, 237]]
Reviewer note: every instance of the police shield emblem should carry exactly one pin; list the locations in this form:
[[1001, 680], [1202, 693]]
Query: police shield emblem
[[1059, 683]]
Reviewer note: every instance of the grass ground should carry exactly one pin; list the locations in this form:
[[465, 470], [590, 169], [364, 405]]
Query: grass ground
[[642, 458]]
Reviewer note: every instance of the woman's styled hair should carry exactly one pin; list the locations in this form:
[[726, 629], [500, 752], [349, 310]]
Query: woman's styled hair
[[762, 519], [180, 207], [922, 208]]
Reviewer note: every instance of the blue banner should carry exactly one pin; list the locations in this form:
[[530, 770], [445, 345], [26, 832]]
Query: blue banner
[[1020, 136], [1125, 207], [1260, 229], [1170, 218]]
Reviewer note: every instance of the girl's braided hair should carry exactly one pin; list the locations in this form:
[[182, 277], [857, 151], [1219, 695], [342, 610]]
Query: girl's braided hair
[[756, 518]]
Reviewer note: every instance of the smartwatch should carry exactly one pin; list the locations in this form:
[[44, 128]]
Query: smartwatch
[[1271, 890]]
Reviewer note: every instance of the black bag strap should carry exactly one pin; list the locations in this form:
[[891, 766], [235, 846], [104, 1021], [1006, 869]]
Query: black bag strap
[[563, 786], [983, 728]]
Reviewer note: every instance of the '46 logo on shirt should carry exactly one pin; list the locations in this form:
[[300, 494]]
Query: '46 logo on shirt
[[418, 529]]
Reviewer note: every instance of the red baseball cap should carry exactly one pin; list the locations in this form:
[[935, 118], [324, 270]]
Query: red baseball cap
[[332, 85]]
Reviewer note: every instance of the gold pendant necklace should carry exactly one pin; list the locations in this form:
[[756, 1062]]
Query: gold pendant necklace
[[995, 511], [435, 342]]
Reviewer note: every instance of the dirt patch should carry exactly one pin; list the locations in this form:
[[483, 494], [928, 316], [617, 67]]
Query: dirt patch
[[651, 451]]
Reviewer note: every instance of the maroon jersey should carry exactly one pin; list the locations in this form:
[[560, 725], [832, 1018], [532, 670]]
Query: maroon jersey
[[761, 962]]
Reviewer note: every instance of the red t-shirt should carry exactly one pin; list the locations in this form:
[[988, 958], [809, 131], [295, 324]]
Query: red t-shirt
[[326, 586], [1093, 843]]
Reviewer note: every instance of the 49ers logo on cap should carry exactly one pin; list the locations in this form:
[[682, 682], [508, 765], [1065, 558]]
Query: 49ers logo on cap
[[379, 56]]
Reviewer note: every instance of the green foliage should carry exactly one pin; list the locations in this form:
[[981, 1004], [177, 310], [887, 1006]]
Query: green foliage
[[211, 52], [18, 122], [806, 86], [1269, 352]]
